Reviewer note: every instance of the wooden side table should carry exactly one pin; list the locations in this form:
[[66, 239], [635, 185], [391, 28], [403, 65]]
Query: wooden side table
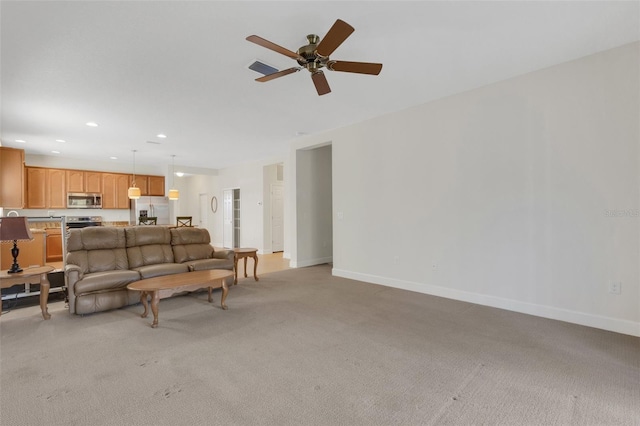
[[243, 253], [37, 275]]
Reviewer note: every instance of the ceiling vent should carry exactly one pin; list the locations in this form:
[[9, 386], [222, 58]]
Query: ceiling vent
[[262, 68]]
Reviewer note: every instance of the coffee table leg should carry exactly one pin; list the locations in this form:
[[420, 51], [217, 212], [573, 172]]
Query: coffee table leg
[[255, 266], [225, 290], [44, 296], [145, 303], [155, 301], [235, 269]]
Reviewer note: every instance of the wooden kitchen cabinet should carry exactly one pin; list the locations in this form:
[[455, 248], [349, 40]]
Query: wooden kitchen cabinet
[[114, 191], [36, 190], [57, 188], [155, 185], [54, 244], [84, 181], [149, 185], [93, 182], [12, 178], [142, 182], [75, 181], [46, 188]]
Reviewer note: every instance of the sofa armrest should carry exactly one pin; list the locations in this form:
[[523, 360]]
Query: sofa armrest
[[224, 254], [73, 274]]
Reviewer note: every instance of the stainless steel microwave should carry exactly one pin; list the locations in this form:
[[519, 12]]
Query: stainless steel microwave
[[84, 200]]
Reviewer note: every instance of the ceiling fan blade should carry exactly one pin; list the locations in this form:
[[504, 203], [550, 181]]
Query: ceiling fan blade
[[334, 38], [276, 48], [359, 67], [320, 81], [278, 74]]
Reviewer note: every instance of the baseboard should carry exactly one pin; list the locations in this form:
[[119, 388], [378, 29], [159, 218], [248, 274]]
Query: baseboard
[[575, 317], [310, 262]]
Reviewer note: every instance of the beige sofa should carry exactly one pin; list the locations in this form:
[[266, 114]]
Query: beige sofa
[[102, 260]]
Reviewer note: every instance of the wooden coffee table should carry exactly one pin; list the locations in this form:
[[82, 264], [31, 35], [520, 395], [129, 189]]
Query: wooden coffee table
[[168, 285], [36, 275], [243, 253]]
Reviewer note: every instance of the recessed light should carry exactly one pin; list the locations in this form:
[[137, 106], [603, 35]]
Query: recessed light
[[20, 141], [55, 152], [179, 174], [92, 124], [113, 158], [161, 135], [61, 140]]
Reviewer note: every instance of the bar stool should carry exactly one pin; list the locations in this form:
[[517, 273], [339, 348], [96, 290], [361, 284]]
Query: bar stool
[[147, 220]]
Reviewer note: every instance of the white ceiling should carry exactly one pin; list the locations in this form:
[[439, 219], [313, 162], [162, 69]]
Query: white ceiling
[[180, 68]]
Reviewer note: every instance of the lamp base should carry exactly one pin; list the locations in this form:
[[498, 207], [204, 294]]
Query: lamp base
[[15, 268]]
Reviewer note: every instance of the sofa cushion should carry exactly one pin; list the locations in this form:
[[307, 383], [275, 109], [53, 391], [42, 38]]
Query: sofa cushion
[[191, 244], [97, 249], [148, 245], [108, 280], [95, 237], [150, 271], [147, 235], [189, 235]]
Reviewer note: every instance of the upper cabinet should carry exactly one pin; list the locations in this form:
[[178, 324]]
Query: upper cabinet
[[150, 185], [114, 194], [56, 188], [47, 188], [155, 185], [84, 181], [12, 178], [36, 188]]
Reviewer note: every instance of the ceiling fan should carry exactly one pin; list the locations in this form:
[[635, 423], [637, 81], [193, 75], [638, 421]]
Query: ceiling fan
[[315, 56]]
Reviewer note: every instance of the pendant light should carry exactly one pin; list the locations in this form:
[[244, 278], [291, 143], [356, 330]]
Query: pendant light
[[133, 192], [174, 194]]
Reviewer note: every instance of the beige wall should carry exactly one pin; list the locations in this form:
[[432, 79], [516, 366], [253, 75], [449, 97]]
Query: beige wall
[[522, 194]]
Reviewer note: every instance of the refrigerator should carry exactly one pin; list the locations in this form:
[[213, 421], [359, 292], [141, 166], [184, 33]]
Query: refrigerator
[[151, 207]]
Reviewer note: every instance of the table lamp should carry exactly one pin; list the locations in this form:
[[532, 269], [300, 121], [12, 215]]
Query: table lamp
[[14, 229]]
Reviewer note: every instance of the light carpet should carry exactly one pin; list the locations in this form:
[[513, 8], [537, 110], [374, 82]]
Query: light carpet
[[301, 347]]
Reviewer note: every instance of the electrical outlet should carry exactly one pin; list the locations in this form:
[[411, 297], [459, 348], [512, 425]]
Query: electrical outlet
[[615, 287]]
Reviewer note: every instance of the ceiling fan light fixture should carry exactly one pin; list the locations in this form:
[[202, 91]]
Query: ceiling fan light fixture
[[315, 56]]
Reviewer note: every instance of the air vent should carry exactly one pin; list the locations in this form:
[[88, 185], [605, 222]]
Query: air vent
[[154, 143], [262, 68]]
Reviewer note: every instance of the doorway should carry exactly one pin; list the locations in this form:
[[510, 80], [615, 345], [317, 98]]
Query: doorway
[[231, 218], [277, 217]]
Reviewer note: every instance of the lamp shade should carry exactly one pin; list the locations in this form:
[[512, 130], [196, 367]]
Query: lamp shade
[[15, 229], [133, 193], [174, 194]]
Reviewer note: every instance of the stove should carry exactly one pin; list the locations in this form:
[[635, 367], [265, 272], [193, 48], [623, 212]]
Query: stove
[[83, 221]]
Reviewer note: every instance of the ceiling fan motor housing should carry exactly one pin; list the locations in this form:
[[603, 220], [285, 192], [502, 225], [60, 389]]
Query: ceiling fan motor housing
[[312, 61]]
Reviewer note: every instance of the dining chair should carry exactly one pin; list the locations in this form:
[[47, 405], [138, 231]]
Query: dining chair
[[183, 221]]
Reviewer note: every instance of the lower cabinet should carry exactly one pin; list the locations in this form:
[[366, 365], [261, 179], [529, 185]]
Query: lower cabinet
[[54, 244]]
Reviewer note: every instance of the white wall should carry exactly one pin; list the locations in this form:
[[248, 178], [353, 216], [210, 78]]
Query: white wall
[[522, 195], [249, 178], [314, 227]]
